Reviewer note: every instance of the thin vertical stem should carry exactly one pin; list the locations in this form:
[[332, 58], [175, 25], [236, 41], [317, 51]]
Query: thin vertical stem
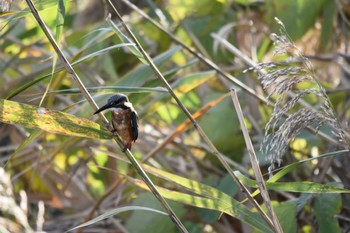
[[255, 163]]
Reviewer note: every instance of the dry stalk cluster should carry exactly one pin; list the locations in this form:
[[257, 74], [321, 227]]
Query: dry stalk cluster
[[14, 217], [289, 81]]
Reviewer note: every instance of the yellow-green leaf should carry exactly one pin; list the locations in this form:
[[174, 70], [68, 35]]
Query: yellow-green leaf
[[234, 208], [192, 81], [34, 117], [301, 186]]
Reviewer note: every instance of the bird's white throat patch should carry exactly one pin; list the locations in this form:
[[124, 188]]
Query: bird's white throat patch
[[115, 109], [128, 104]]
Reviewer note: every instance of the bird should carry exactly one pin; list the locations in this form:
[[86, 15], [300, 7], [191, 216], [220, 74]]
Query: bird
[[124, 118]]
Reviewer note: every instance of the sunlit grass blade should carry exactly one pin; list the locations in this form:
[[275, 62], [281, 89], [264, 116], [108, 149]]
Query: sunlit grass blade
[[30, 116], [112, 90], [287, 169], [192, 81], [305, 187], [107, 90], [302, 186], [234, 208], [194, 186]]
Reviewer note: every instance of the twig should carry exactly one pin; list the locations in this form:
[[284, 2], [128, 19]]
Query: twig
[[255, 163], [89, 98], [212, 147]]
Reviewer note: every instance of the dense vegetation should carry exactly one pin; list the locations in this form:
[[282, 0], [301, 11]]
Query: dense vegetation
[[217, 84]]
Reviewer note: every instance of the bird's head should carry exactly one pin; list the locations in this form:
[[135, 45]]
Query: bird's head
[[116, 102]]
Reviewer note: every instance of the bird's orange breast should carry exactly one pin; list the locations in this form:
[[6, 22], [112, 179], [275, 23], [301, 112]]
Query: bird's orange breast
[[121, 121]]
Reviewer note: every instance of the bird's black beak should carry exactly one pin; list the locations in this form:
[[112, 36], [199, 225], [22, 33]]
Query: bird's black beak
[[104, 107]]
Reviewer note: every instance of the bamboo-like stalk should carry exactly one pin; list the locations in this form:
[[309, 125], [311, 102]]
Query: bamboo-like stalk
[[255, 163], [212, 147], [93, 104]]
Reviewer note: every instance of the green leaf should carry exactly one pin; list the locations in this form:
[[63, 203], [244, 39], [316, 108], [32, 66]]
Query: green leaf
[[191, 81], [194, 186], [329, 13], [325, 207], [181, 9], [286, 213], [292, 166], [298, 16], [303, 186], [112, 90], [227, 138], [225, 185], [246, 2], [152, 222], [113, 212], [30, 116]]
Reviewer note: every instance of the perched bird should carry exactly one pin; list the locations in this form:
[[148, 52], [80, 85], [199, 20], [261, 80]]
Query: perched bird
[[124, 118]]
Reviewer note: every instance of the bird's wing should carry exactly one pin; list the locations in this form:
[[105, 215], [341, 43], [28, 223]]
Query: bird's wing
[[134, 125]]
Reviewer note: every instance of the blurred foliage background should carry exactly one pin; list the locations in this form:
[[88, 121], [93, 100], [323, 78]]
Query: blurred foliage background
[[56, 181]]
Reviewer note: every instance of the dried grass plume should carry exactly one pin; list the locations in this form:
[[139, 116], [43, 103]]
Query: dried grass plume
[[289, 80]]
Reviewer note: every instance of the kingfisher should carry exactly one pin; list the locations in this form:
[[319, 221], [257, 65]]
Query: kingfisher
[[124, 118]]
